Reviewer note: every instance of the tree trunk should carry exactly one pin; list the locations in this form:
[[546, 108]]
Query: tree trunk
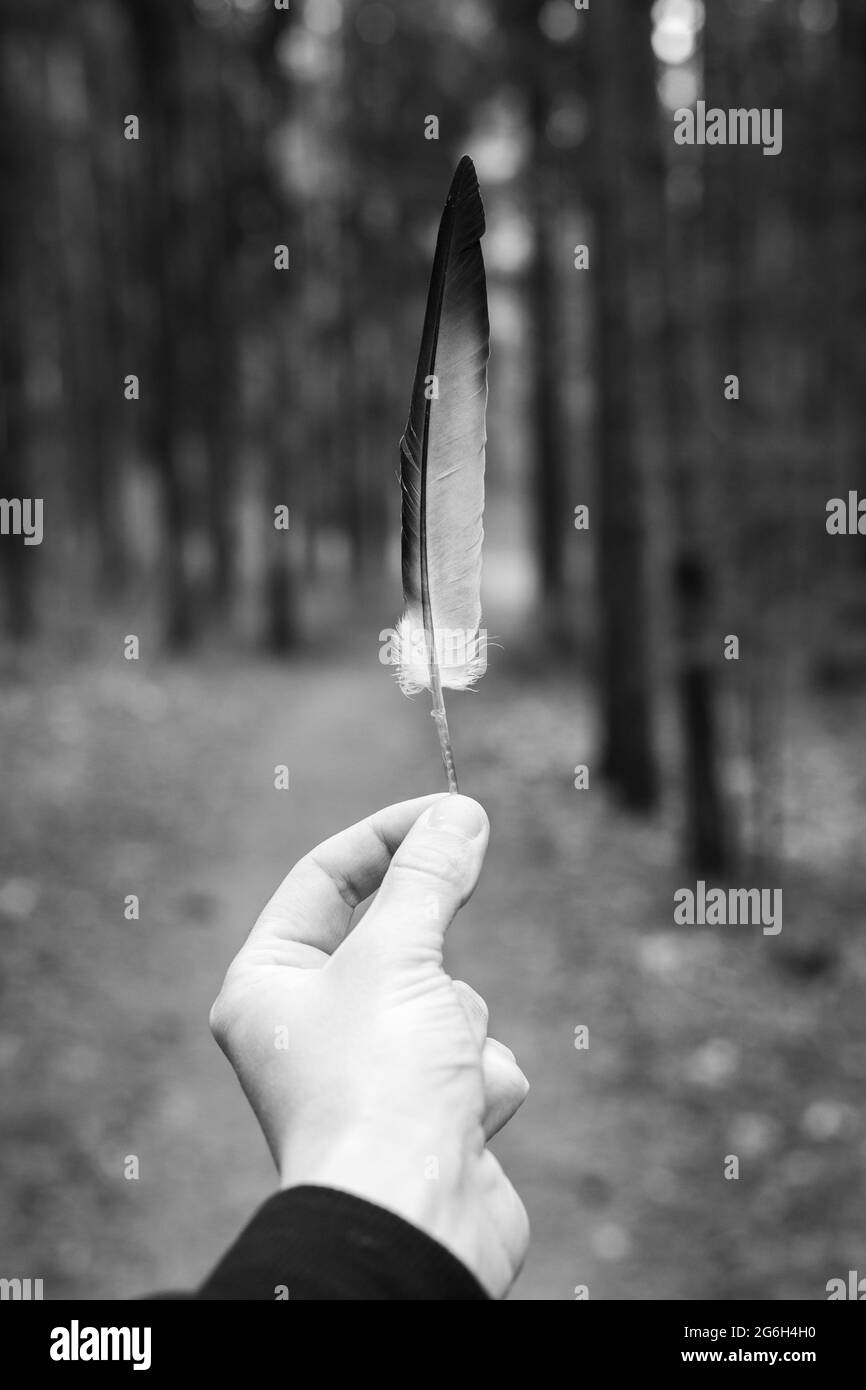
[[628, 759], [15, 557], [698, 640], [547, 427], [218, 392], [283, 424], [157, 45]]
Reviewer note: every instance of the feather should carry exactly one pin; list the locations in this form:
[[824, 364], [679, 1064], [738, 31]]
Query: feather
[[439, 640]]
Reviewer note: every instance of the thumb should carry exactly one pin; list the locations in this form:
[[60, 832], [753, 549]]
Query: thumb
[[432, 874]]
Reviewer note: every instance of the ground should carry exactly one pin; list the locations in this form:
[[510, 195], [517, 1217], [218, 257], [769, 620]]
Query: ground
[[703, 1042]]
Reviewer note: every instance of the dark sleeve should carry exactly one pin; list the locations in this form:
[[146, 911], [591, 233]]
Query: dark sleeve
[[318, 1243]]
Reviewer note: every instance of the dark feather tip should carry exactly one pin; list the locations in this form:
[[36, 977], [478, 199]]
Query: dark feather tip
[[464, 183]]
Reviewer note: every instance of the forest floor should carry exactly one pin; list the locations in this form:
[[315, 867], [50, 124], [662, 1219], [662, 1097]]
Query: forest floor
[[703, 1042]]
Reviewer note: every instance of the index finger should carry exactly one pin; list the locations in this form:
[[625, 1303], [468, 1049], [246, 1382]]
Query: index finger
[[313, 905]]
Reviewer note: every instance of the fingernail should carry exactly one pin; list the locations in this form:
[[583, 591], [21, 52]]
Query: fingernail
[[459, 815]]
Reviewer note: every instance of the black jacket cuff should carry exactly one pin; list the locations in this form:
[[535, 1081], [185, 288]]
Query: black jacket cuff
[[320, 1243]]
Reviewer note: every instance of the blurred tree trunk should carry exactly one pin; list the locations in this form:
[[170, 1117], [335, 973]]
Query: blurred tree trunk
[[86, 285], [218, 401], [375, 444], [73, 353], [769, 652], [15, 557], [628, 760], [547, 425], [283, 423], [350, 371], [847, 154], [673, 232], [280, 631], [20, 614], [157, 44], [734, 206], [106, 277], [351, 506]]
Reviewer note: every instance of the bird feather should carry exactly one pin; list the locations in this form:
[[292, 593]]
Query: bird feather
[[440, 644]]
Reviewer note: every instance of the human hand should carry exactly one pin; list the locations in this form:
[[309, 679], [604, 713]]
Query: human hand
[[368, 1068]]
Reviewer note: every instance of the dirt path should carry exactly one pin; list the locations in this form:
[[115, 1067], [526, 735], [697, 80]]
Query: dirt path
[[701, 1045]]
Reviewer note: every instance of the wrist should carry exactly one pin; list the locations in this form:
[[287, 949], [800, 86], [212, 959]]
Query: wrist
[[427, 1183]]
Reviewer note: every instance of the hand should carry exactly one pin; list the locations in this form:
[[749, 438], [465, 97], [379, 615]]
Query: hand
[[368, 1068]]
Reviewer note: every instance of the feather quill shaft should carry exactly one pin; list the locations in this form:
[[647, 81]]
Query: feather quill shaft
[[440, 643]]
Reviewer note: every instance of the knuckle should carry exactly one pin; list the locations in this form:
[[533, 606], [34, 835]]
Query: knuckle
[[216, 1018], [428, 859], [221, 1013], [481, 1007], [475, 1000]]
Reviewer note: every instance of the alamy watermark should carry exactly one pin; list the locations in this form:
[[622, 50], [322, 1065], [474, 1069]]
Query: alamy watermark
[[717, 907], [22, 516], [852, 1288], [20, 1290], [737, 126], [77, 1343], [455, 646]]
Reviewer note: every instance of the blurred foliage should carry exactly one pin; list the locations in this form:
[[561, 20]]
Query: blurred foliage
[[307, 127]]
